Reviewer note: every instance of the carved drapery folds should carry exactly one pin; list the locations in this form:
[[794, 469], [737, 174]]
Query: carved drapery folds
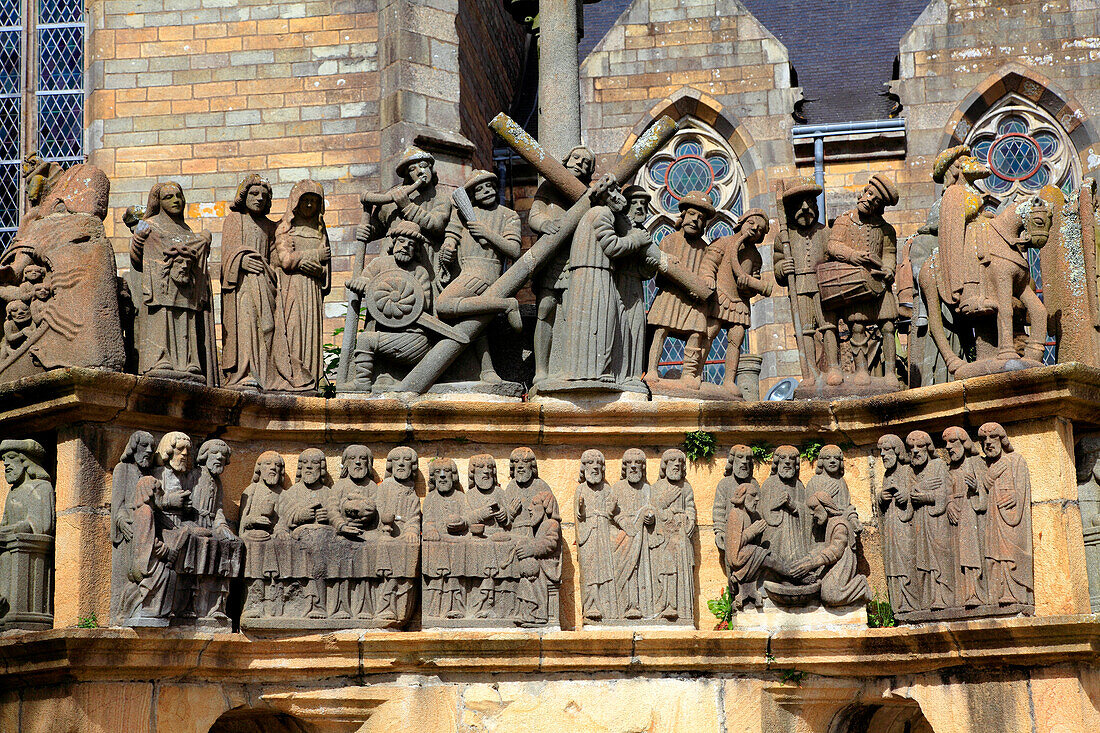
[[26, 538]]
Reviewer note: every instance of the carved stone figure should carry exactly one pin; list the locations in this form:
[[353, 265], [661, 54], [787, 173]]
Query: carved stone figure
[[746, 558], [829, 478], [931, 488], [681, 308], [798, 249], [898, 543], [490, 585], [535, 522], [854, 283], [472, 258], [674, 500], [738, 471], [305, 514], [631, 274], [1008, 553], [783, 505], [26, 538], [303, 259], [264, 596], [966, 502], [176, 317], [444, 531], [979, 272], [587, 352], [209, 515], [1088, 500], [592, 513], [393, 531], [40, 175], [255, 353], [546, 215], [733, 264], [61, 268], [136, 462], [153, 556], [834, 557]]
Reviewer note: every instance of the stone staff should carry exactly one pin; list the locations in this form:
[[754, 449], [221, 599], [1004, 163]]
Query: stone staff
[[424, 374], [784, 234]]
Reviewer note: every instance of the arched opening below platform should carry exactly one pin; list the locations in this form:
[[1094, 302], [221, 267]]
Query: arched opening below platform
[[891, 718], [251, 720]]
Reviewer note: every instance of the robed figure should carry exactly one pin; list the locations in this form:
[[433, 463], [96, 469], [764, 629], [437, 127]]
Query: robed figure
[[592, 510], [897, 524], [1009, 563], [637, 541]]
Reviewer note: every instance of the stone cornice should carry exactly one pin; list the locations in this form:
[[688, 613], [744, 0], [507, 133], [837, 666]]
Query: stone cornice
[[125, 654], [64, 397]]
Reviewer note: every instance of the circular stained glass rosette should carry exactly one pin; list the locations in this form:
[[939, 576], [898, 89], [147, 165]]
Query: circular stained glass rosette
[[688, 173], [1015, 156]]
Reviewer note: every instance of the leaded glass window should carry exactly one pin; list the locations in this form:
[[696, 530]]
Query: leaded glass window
[[41, 93], [695, 159]]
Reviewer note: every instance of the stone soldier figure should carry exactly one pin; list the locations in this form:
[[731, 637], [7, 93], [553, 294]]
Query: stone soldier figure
[[630, 277], [547, 211], [898, 546], [964, 505], [535, 522], [681, 308], [861, 239], [733, 264], [473, 256], [136, 461], [636, 541], [591, 509], [390, 279], [1008, 549], [797, 270]]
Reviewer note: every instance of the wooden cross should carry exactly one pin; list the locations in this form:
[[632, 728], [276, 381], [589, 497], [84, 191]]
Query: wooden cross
[[444, 352]]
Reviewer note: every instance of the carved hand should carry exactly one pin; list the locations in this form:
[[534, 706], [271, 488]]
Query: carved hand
[[1008, 502], [311, 268], [524, 551], [325, 255], [500, 515], [649, 518], [358, 284], [580, 506], [320, 515], [785, 268], [126, 529], [364, 232], [253, 263], [479, 230], [551, 227]]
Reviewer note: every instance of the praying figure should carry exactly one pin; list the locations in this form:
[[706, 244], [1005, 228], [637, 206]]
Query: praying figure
[[783, 506], [636, 540], [599, 598], [303, 257], [176, 318], [444, 533], [151, 564], [898, 542], [674, 500]]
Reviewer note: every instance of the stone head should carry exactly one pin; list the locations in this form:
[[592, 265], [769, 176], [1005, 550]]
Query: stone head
[[968, 167], [43, 291], [356, 462], [167, 197], [482, 472], [892, 451], [876, 196], [139, 450], [821, 507], [920, 448], [405, 237], [443, 476], [523, 467], [830, 461], [311, 469], [785, 462], [34, 273], [748, 496], [581, 163], [253, 196], [401, 464], [214, 456], [593, 467], [755, 226], [23, 459], [994, 440], [637, 207], [270, 468], [804, 211], [18, 311], [739, 462], [633, 469], [957, 443], [673, 465], [174, 451], [309, 206], [1037, 217], [695, 211]]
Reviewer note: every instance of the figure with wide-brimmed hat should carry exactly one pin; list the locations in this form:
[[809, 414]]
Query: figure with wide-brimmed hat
[[681, 309], [477, 242], [630, 280], [855, 284], [733, 263]]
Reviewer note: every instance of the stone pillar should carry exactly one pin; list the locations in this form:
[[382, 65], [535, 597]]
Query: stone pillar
[[26, 567], [559, 77]]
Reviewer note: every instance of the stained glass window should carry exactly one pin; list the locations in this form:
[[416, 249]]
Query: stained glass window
[[696, 159], [41, 93]]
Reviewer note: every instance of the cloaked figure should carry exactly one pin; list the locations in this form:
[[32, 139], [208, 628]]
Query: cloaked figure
[[898, 542], [151, 565], [834, 558], [674, 500], [967, 506], [444, 532], [637, 540], [592, 512], [136, 461], [1008, 549], [935, 554], [535, 522]]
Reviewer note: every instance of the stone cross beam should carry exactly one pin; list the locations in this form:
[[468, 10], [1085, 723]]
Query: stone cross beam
[[444, 352]]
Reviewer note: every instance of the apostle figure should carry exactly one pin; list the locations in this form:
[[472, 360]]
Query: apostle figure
[[738, 471], [396, 532], [681, 308], [173, 500], [547, 211], [783, 506], [177, 336], [863, 240], [136, 461], [965, 503], [26, 570], [634, 516], [591, 311], [303, 513], [254, 347], [834, 558], [389, 278], [733, 264], [535, 522], [259, 516], [934, 552], [898, 546], [746, 559], [444, 533], [591, 509], [303, 258], [473, 256], [630, 278], [151, 563], [354, 512], [674, 500], [206, 504], [798, 249], [1008, 553], [829, 477], [487, 518]]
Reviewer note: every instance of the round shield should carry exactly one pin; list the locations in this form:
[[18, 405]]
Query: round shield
[[395, 299]]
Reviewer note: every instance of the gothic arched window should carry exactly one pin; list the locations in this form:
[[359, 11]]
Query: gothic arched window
[[696, 159], [1025, 148]]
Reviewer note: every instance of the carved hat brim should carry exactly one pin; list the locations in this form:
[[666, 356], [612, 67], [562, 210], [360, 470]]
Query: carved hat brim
[[801, 187], [634, 191], [478, 176], [411, 155], [885, 187], [697, 200], [945, 159], [27, 447]]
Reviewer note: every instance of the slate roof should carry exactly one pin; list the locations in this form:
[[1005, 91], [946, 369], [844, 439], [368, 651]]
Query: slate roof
[[843, 51]]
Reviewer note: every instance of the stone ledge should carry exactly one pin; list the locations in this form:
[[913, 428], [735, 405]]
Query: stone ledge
[[62, 397], [125, 654]]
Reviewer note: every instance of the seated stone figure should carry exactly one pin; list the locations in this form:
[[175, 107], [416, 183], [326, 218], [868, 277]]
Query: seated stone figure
[[26, 538], [263, 548], [535, 522]]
